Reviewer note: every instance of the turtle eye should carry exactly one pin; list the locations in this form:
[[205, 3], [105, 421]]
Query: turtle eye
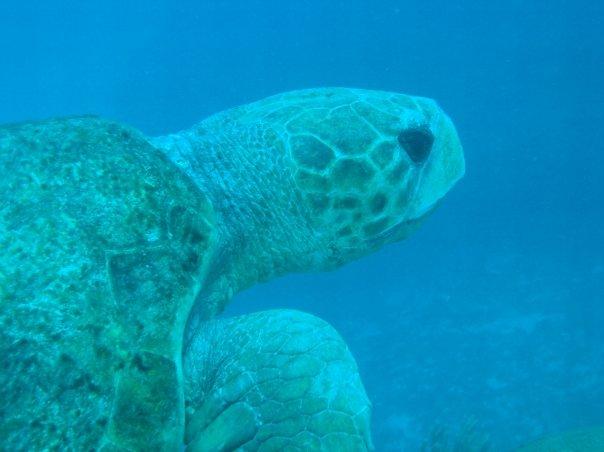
[[417, 143]]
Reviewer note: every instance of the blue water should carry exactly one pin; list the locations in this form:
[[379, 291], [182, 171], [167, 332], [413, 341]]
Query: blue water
[[494, 310]]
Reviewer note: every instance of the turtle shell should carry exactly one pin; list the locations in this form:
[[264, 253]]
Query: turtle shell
[[104, 246]]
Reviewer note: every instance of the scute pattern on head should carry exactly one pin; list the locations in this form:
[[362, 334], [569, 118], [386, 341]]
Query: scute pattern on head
[[340, 172], [354, 162], [369, 183]]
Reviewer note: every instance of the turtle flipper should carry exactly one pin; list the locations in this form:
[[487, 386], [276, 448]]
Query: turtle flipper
[[273, 380]]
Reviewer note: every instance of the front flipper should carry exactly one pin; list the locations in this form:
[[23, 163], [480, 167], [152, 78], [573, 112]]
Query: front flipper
[[272, 381]]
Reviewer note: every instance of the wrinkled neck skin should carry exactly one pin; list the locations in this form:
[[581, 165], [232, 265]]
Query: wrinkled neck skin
[[262, 224]]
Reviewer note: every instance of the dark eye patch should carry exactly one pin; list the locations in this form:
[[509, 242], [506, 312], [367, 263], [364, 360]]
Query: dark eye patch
[[417, 143]]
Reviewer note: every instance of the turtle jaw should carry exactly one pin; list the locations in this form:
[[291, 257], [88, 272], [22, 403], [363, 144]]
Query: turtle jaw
[[403, 229]]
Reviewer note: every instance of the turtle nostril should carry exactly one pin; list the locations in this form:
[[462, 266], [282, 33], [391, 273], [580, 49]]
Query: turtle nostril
[[417, 142]]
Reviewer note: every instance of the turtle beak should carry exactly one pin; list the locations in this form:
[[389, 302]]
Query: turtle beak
[[440, 171]]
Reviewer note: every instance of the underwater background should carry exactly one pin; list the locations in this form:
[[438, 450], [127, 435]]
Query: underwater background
[[492, 315]]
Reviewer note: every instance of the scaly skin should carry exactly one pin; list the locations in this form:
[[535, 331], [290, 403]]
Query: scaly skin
[[116, 250], [274, 380]]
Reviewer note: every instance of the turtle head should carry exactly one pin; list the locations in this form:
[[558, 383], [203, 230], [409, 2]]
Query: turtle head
[[370, 165], [309, 180]]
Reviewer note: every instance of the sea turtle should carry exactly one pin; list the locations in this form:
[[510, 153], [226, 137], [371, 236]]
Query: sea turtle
[[118, 250]]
